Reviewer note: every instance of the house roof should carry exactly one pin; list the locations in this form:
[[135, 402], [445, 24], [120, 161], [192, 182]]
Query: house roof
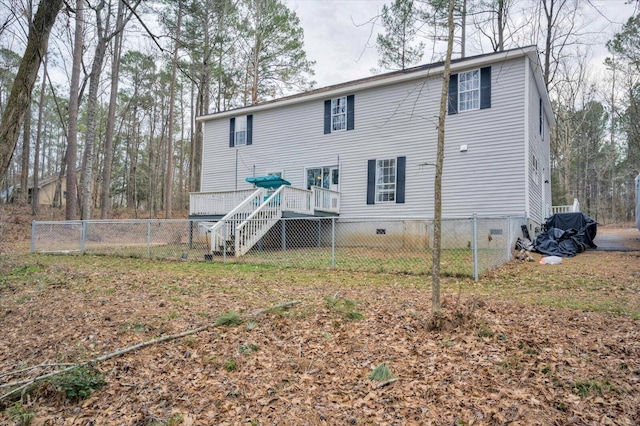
[[414, 73]]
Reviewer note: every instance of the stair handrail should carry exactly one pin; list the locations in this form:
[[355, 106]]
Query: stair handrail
[[274, 200], [237, 209]]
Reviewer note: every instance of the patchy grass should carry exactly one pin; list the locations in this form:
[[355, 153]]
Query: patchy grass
[[584, 388], [344, 306], [20, 414], [79, 382], [228, 319], [603, 282], [381, 373], [534, 332]]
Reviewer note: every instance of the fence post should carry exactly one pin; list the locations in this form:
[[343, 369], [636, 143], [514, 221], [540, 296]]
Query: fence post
[[83, 235], [33, 236], [333, 243], [509, 231], [475, 247], [148, 238]]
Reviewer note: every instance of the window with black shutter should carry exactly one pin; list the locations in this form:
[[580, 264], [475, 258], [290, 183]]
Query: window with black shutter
[[339, 114]]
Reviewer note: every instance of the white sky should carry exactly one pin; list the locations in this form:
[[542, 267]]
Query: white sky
[[344, 51]]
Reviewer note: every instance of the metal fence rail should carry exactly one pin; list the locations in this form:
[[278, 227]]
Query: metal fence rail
[[470, 246]]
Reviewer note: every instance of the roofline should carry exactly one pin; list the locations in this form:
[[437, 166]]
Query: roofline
[[422, 71]]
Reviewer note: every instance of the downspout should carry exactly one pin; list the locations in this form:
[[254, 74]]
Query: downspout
[[527, 77]]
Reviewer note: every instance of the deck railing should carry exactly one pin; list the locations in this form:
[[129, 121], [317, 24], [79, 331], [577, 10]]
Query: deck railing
[[325, 200], [297, 200], [216, 203], [223, 231], [258, 223], [294, 200], [573, 208]]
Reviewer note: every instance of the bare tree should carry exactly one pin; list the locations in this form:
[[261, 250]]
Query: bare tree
[[437, 186], [492, 21], [72, 129], [105, 199], [105, 34], [172, 99], [20, 97], [26, 157], [35, 198]]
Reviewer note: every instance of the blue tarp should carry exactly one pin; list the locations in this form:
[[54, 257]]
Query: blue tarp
[[269, 182]]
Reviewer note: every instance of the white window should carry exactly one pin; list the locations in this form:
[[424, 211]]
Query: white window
[[469, 90], [386, 180], [241, 131], [339, 114], [279, 173], [534, 167]]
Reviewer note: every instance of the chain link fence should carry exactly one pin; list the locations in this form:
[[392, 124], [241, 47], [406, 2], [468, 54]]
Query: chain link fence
[[470, 246]]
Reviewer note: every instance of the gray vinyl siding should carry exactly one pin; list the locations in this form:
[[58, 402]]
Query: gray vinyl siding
[[487, 178], [390, 121], [538, 147]]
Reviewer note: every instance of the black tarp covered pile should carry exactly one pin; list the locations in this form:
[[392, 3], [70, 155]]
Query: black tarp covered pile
[[566, 235]]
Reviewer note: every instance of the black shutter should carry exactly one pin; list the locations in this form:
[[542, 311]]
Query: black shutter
[[401, 165], [327, 116], [371, 182], [350, 112], [453, 94], [485, 87], [232, 132], [249, 129], [540, 118]]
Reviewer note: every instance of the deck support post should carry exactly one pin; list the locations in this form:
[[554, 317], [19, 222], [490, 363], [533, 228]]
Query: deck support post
[[333, 243], [283, 234]]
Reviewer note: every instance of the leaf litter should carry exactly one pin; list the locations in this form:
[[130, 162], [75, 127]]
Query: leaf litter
[[501, 360]]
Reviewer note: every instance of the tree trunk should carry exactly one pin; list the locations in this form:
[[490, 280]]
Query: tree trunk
[[24, 166], [548, 12], [20, 97], [35, 198], [463, 31], [501, 25], [105, 199], [92, 103], [26, 139], [437, 187], [72, 138], [172, 98], [182, 151]]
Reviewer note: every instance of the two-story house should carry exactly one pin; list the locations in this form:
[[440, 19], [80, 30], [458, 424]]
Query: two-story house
[[366, 148]]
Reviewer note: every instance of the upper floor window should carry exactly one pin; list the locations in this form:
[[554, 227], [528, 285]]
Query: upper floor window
[[339, 114], [470, 90], [240, 130]]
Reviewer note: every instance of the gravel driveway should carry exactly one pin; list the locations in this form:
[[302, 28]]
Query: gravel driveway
[[617, 239]]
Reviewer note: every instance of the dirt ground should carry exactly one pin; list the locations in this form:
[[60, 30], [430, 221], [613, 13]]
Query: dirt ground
[[499, 359]]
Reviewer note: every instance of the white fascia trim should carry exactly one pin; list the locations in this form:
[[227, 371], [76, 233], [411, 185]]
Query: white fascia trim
[[347, 89]]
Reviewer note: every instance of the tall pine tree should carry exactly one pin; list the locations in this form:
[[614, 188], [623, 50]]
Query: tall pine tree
[[396, 46]]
